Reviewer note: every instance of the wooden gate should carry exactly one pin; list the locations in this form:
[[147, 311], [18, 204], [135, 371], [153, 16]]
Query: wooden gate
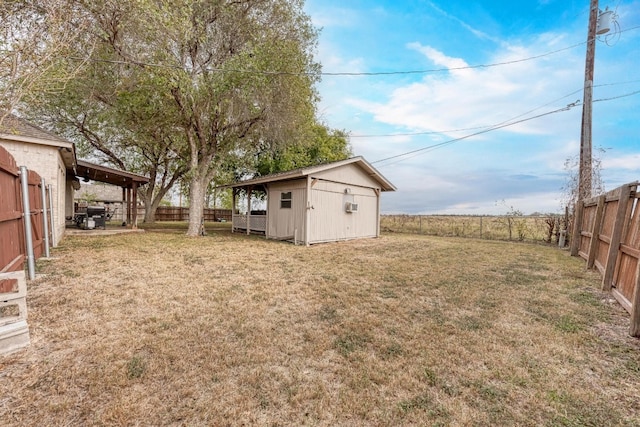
[[37, 216], [11, 231], [14, 331]]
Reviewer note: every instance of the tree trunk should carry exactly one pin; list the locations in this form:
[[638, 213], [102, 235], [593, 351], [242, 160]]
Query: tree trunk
[[150, 211], [197, 189]]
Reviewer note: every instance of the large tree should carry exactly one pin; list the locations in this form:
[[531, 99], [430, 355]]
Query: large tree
[[323, 146], [231, 76], [36, 38], [117, 115], [242, 73]]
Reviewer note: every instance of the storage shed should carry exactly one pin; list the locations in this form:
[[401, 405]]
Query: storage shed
[[324, 203]]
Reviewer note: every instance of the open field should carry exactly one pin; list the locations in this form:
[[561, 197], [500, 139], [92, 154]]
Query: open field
[[500, 227], [159, 329]]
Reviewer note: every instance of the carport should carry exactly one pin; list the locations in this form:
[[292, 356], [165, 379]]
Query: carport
[[130, 182]]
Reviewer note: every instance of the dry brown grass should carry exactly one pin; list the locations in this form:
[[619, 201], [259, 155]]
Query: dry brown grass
[[161, 329]]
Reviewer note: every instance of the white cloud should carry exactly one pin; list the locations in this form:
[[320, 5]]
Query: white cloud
[[627, 162], [482, 96]]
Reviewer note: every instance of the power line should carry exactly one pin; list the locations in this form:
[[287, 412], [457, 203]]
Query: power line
[[338, 74], [489, 126], [492, 128], [466, 129], [617, 97]]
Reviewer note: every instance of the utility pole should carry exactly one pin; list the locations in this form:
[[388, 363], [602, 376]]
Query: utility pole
[[585, 175]]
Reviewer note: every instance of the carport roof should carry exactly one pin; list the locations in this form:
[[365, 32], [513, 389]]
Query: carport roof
[[109, 175]]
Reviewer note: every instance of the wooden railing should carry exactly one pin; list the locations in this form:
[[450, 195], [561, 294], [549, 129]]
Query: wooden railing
[[257, 223]]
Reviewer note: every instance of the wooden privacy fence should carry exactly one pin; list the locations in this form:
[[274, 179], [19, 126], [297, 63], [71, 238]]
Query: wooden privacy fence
[[24, 234], [607, 236], [177, 213]]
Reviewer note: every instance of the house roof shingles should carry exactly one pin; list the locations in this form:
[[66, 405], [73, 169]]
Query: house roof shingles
[[13, 126]]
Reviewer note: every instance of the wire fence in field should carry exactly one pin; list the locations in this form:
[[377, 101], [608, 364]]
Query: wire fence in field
[[542, 229]]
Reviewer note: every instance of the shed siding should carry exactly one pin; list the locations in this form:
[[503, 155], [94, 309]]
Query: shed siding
[[349, 174], [286, 224], [329, 220], [46, 162]]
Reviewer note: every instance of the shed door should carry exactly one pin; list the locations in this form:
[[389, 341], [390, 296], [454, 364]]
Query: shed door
[[286, 214]]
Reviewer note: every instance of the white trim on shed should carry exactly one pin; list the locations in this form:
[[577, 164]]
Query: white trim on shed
[[325, 203]]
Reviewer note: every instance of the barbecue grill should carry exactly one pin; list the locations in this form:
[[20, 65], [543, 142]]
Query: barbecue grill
[[94, 217]]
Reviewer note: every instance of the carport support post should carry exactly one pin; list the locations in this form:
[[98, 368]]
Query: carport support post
[[45, 218], [135, 205], [128, 199], [249, 191], [233, 208], [26, 209]]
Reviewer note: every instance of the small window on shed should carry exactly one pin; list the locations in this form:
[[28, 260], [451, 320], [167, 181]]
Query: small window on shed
[[285, 200]]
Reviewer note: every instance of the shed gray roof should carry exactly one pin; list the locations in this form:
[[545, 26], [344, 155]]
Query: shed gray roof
[[385, 184]]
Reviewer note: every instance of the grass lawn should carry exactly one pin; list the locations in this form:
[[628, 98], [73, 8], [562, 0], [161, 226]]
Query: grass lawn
[[160, 329]]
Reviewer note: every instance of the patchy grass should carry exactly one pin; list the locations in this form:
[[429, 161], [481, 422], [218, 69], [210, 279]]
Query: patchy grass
[[161, 329]]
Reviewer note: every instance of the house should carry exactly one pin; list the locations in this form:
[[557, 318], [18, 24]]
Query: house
[[325, 203], [51, 157], [54, 159]]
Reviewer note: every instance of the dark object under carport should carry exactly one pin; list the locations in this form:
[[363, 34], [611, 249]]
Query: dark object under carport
[[93, 217]]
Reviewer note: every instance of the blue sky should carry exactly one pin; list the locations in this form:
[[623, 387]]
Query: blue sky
[[519, 166]]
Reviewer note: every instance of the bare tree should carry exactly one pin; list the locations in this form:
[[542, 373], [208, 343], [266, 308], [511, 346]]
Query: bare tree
[[571, 187]]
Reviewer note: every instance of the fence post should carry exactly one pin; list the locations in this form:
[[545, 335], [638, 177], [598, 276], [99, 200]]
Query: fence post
[[481, 226], [52, 223], [616, 237], [577, 228], [595, 233], [26, 209], [45, 217]]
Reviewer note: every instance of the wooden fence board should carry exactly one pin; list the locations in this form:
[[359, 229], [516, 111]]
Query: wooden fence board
[[588, 222], [176, 213], [608, 229], [14, 331], [604, 236], [35, 204], [11, 232], [625, 272]]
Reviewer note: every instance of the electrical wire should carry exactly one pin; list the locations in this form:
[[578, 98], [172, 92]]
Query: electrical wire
[[617, 97], [338, 74], [489, 126], [492, 128], [413, 153], [466, 129]]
